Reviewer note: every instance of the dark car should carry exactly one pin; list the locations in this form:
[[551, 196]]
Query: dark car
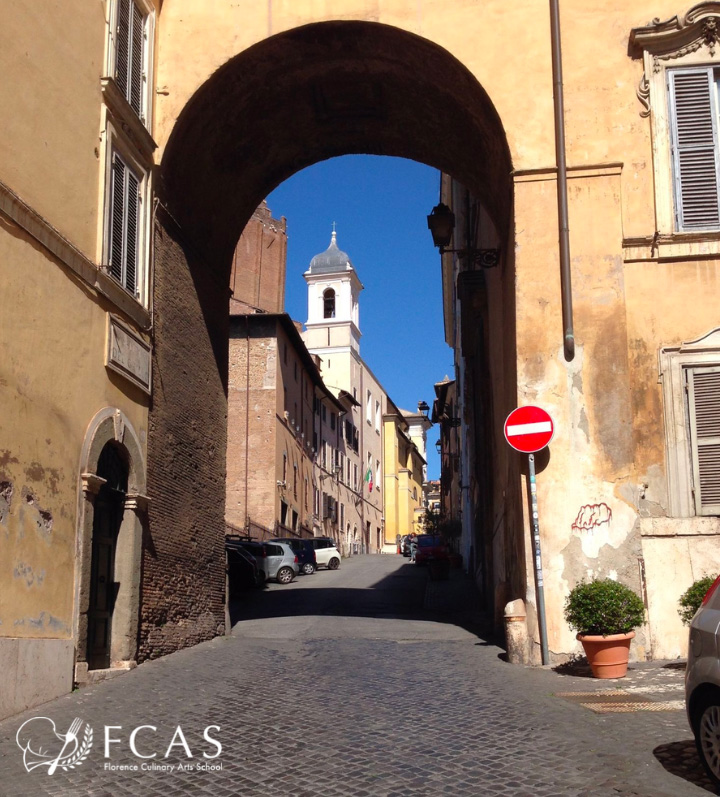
[[243, 570], [305, 552], [431, 548]]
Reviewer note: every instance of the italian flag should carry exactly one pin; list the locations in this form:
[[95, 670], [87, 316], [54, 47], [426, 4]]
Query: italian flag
[[368, 478]]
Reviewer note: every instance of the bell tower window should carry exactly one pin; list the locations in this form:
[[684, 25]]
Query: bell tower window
[[329, 303]]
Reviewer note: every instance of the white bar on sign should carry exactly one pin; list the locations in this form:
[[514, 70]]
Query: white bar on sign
[[529, 428]]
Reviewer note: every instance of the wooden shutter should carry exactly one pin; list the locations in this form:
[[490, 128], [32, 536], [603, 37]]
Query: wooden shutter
[[124, 232], [122, 45], [135, 94], [129, 53], [703, 386], [694, 134], [117, 216]]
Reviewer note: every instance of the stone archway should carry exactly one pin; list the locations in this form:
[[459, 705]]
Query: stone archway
[[311, 93], [111, 426]]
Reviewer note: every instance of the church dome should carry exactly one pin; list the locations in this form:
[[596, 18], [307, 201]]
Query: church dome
[[332, 260]]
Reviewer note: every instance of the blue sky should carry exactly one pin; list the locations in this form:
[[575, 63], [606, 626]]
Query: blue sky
[[380, 206]]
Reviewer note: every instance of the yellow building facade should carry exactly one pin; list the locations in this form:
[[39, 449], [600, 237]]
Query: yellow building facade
[[403, 475]]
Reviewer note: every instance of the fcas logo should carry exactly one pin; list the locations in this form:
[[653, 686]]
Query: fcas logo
[[43, 746]]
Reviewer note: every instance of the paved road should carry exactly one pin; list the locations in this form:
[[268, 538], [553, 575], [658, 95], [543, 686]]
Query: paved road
[[343, 683]]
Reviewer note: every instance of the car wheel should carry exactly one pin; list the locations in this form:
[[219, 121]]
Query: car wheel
[[308, 568], [707, 735], [334, 563], [285, 575]]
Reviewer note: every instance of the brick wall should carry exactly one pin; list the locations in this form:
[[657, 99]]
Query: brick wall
[[183, 568], [257, 279], [252, 435]]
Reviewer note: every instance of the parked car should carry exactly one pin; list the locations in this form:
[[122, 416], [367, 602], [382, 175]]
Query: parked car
[[702, 681], [430, 547], [276, 560], [326, 553], [243, 570], [305, 552]]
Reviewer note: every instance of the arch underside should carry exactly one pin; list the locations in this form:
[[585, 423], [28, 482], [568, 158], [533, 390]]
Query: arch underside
[[320, 91]]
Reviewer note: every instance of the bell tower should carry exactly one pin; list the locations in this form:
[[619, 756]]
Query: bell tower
[[333, 322]]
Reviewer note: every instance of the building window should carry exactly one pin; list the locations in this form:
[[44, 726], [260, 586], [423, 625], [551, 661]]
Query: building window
[[704, 411], [131, 54], [693, 97], [324, 414], [295, 480], [332, 421], [305, 495], [377, 416], [368, 407], [329, 303], [125, 222], [691, 391]]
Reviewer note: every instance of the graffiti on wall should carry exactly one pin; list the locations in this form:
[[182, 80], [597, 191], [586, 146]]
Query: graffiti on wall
[[591, 517]]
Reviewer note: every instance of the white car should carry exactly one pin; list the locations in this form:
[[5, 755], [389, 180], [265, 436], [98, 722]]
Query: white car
[[702, 681], [326, 553]]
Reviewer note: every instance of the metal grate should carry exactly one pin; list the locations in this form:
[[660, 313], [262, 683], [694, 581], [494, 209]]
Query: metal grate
[[620, 702]]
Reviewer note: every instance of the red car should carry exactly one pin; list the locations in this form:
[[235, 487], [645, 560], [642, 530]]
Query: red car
[[430, 547]]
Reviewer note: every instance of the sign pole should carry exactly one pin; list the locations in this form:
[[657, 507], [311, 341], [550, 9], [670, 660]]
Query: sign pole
[[537, 556]]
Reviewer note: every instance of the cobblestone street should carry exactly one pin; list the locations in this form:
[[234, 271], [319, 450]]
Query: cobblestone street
[[369, 680]]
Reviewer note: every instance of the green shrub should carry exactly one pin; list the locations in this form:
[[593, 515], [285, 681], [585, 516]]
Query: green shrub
[[603, 607], [691, 599]]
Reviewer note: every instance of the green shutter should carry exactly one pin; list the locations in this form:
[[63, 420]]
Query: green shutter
[[704, 406]]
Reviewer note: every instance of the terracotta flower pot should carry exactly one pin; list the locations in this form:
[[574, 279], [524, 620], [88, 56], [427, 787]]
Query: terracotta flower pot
[[608, 655]]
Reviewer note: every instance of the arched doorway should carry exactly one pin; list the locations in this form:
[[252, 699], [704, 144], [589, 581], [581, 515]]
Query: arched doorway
[[112, 469], [112, 514], [312, 93]]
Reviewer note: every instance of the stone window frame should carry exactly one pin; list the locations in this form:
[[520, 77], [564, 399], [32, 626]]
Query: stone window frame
[[674, 361], [679, 42]]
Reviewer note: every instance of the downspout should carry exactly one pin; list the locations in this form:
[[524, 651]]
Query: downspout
[[563, 229]]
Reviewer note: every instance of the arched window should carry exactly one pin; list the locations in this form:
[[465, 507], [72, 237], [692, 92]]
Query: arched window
[[329, 303]]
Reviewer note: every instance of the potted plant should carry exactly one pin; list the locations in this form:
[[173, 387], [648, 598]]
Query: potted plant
[[604, 613], [693, 596]]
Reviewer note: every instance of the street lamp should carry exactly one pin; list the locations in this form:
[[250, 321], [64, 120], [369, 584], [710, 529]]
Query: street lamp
[[441, 223], [423, 408], [438, 446]]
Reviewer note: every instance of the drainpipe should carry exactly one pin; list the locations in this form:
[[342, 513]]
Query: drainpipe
[[563, 229]]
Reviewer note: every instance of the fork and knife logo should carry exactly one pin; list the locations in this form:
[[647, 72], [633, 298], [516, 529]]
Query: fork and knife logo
[[43, 746]]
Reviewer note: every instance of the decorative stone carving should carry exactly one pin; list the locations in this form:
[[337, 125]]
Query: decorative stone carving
[[674, 39], [119, 426], [643, 94]]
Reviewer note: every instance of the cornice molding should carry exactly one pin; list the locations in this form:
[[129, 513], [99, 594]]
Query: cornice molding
[[679, 36], [54, 242]]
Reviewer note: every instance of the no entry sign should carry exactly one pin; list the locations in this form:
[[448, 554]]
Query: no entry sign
[[529, 429]]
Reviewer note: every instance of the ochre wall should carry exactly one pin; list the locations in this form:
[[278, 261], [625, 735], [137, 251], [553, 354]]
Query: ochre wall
[[53, 381]]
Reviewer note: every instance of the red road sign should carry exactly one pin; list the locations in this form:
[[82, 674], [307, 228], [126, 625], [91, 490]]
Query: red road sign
[[529, 429]]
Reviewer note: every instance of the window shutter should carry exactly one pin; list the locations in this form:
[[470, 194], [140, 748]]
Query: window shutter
[[133, 213], [693, 113], [129, 55], [117, 214], [704, 405], [125, 217], [136, 62], [122, 45]]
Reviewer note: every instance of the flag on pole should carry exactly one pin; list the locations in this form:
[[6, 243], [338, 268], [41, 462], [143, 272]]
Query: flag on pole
[[368, 478]]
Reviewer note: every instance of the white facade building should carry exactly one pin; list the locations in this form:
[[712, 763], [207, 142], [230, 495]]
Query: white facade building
[[333, 333]]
